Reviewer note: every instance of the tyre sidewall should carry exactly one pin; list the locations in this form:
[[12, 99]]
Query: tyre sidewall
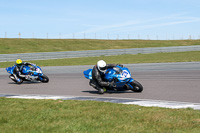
[[138, 85]]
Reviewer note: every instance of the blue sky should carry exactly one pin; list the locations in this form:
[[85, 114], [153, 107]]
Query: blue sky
[[102, 19]]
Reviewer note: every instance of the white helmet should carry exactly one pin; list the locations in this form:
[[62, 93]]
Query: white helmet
[[101, 65]]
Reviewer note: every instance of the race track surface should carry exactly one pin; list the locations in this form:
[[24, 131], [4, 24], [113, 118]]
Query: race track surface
[[161, 81]]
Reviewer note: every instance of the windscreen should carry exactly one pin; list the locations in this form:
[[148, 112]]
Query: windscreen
[[118, 70]]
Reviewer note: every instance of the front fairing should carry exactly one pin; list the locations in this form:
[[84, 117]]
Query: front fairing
[[122, 74], [37, 71]]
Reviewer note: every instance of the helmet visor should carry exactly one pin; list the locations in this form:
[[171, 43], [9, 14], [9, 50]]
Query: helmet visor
[[102, 68]]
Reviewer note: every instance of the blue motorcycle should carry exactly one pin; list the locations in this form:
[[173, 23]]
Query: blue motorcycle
[[121, 77], [31, 73]]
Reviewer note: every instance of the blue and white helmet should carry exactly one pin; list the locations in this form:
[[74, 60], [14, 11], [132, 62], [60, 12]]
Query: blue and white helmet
[[101, 65]]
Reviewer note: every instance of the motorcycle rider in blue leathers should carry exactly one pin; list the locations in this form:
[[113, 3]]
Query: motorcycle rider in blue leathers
[[17, 72], [98, 73]]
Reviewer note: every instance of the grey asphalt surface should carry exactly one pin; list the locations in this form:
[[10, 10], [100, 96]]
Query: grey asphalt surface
[[161, 81]]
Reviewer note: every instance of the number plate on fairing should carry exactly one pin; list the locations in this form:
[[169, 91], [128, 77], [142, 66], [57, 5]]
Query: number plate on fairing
[[125, 74]]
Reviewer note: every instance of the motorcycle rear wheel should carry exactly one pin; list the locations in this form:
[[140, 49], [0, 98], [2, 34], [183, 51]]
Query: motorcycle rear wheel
[[137, 87]]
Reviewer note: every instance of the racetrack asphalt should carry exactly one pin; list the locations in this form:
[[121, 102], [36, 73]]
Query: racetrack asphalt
[[161, 81]]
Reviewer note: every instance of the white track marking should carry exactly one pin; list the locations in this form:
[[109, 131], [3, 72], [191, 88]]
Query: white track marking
[[140, 102]]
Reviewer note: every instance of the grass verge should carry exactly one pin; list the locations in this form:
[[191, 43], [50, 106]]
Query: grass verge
[[11, 46], [20, 116], [122, 59]]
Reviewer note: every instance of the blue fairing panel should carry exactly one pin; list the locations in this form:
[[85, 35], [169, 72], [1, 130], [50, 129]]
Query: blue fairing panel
[[88, 73], [10, 69]]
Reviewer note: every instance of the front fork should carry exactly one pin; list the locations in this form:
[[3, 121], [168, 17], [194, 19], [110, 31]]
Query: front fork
[[128, 84], [40, 76]]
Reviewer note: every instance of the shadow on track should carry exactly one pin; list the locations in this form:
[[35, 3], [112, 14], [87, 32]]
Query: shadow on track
[[109, 92], [26, 82]]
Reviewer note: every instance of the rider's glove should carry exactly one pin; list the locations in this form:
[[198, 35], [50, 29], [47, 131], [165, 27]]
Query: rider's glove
[[120, 65]]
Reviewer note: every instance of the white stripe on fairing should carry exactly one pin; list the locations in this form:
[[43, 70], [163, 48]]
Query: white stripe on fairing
[[140, 102]]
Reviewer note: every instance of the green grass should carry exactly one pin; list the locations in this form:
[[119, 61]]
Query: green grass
[[34, 116], [10, 46], [22, 116], [122, 59]]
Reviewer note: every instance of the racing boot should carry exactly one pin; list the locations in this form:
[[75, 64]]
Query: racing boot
[[97, 87], [92, 84], [100, 90], [16, 79], [13, 78]]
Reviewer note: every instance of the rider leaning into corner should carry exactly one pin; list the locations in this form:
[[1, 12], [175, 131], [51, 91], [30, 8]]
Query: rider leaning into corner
[[98, 73], [17, 72]]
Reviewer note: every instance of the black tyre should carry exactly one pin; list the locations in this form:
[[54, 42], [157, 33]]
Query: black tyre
[[45, 79], [137, 87]]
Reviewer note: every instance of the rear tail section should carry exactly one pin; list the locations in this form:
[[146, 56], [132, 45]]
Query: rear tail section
[[10, 69], [88, 73]]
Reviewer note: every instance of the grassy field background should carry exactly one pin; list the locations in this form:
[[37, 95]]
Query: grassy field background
[[10, 46], [122, 59], [71, 116]]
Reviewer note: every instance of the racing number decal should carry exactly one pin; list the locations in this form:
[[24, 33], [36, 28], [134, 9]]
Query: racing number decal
[[125, 73]]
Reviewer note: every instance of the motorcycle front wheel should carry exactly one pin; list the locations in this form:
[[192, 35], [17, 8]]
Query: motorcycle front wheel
[[44, 79], [137, 87]]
